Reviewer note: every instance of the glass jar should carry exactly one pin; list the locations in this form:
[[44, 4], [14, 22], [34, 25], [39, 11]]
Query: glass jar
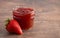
[[25, 17]]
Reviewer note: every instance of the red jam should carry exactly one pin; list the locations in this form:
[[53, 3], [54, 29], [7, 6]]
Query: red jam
[[25, 17]]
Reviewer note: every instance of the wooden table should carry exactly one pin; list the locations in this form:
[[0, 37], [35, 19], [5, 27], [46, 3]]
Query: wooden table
[[47, 18]]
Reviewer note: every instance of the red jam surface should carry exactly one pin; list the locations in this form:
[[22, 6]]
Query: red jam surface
[[25, 17]]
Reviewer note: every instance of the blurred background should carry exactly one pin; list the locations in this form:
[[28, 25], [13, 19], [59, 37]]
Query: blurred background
[[46, 7], [47, 17]]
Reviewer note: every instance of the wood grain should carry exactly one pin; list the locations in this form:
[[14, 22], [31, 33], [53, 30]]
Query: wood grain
[[47, 18]]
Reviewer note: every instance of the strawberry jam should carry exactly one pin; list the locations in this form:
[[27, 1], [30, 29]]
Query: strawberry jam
[[25, 17]]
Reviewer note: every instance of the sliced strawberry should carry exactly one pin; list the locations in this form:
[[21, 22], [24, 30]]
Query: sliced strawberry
[[13, 27]]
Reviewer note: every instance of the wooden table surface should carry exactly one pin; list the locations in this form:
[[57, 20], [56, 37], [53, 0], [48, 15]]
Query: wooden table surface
[[47, 18]]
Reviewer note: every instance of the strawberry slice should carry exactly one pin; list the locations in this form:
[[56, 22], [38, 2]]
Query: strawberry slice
[[12, 26]]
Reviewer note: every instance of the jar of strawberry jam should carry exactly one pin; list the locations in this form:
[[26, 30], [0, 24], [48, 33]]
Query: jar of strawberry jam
[[25, 17]]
